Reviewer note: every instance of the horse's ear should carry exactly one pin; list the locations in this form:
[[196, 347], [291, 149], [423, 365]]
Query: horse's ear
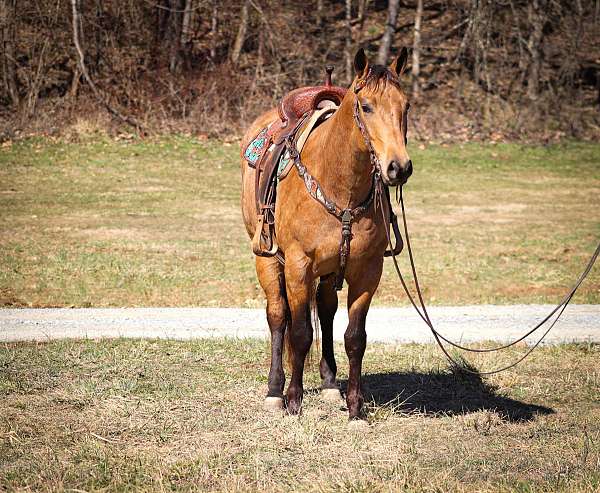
[[398, 66], [361, 63]]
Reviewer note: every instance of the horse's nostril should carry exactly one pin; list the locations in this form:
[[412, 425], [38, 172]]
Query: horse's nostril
[[408, 168], [394, 170]]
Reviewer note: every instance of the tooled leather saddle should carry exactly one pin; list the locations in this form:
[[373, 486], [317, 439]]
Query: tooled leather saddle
[[299, 112]]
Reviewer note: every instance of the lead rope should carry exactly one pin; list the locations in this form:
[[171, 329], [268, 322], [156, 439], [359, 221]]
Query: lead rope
[[558, 311], [560, 308]]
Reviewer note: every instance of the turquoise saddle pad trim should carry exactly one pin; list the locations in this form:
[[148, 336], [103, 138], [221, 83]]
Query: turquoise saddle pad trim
[[256, 147], [283, 162]]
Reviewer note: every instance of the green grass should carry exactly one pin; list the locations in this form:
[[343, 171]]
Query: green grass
[[131, 415], [111, 223]]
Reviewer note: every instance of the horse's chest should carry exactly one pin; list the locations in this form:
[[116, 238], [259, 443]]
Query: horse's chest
[[367, 241], [367, 238]]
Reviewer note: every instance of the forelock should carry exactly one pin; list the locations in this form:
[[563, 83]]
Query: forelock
[[378, 78]]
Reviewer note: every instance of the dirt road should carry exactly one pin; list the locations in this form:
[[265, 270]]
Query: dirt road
[[465, 323]]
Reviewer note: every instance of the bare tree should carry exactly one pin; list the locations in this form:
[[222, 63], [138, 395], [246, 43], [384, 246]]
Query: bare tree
[[174, 33], [348, 47], [536, 14], [476, 40], [7, 26], [186, 21], [214, 24], [319, 13], [81, 61], [390, 30], [363, 6], [241, 34], [416, 54]]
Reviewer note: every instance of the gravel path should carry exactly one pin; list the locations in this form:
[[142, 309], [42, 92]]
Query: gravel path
[[464, 323]]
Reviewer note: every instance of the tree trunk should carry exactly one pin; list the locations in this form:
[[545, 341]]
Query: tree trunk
[[7, 26], [319, 13], [75, 23], [174, 34], [537, 18], [363, 5], [187, 21], [348, 47], [416, 55], [241, 34], [390, 30], [214, 24]]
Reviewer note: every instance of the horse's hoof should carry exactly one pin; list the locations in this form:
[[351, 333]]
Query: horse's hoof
[[358, 425], [273, 403], [332, 395]]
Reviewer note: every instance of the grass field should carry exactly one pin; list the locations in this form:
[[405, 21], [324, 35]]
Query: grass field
[[113, 223], [130, 415]]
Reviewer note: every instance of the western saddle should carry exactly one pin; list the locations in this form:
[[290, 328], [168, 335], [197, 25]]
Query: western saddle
[[299, 112]]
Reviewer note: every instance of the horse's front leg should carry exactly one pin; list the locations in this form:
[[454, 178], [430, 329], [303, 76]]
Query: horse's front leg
[[299, 281], [362, 285]]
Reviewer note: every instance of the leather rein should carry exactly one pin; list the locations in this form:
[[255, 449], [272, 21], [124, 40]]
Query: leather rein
[[381, 196]]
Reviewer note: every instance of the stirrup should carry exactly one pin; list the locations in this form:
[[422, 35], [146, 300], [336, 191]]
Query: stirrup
[[263, 236]]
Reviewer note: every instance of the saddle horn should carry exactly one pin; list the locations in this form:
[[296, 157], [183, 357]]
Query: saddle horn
[[329, 71]]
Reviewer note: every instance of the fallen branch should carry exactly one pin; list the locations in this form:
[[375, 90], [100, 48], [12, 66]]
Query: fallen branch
[[81, 62]]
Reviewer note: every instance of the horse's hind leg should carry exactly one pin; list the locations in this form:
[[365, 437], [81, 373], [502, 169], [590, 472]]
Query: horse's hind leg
[[299, 338], [327, 304], [271, 278]]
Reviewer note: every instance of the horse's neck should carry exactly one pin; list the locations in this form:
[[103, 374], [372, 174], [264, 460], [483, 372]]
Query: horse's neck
[[339, 159]]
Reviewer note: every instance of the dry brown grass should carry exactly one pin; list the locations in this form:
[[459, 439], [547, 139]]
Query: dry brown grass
[[155, 416]]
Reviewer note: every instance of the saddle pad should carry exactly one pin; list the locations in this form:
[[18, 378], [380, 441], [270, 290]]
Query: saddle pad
[[257, 148]]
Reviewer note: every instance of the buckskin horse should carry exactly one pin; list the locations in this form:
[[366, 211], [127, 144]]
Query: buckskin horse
[[326, 221]]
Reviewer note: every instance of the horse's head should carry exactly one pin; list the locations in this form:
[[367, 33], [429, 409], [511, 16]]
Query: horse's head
[[383, 109]]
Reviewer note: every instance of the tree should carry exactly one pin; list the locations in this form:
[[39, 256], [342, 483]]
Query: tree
[[214, 24], [388, 34], [8, 61], [416, 63], [241, 34], [536, 15], [82, 67], [348, 47]]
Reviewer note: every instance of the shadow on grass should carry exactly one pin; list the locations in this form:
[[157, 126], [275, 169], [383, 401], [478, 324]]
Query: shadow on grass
[[448, 393]]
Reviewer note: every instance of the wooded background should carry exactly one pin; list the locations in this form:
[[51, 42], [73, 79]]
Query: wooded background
[[507, 69]]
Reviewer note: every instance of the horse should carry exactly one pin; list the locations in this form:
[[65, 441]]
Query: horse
[[350, 163]]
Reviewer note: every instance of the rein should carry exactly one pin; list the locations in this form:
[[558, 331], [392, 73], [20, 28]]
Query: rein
[[558, 310]]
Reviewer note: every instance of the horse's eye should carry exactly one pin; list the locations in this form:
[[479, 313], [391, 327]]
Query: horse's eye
[[366, 108]]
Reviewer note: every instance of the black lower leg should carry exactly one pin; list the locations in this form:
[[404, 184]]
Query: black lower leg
[[355, 341], [327, 303]]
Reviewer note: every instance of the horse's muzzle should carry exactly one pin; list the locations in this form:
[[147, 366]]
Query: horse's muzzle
[[398, 174]]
